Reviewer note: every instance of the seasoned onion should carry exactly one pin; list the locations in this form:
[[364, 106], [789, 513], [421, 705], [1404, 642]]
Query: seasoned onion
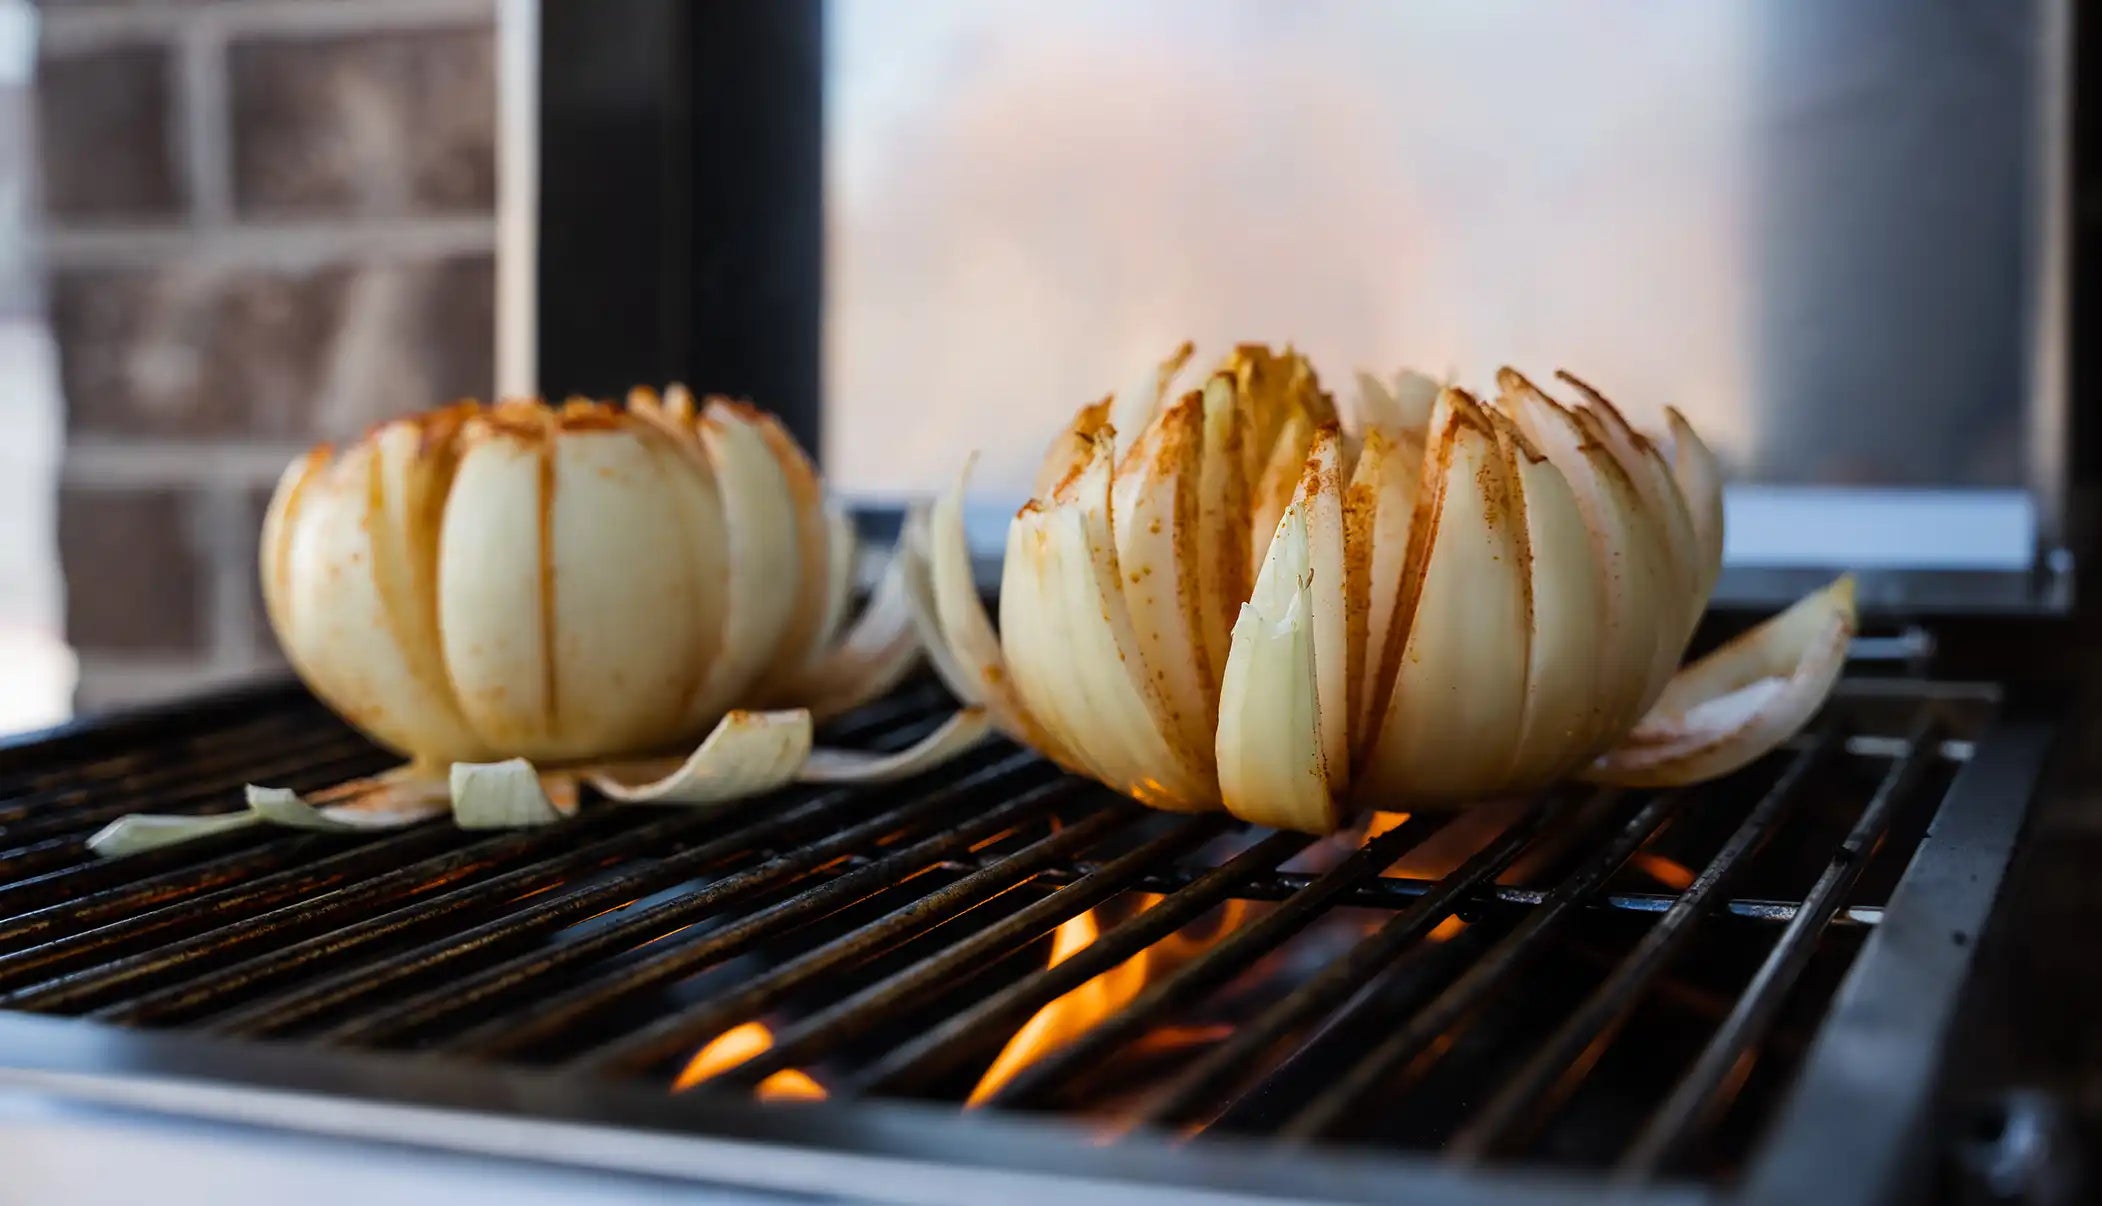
[[518, 597], [1450, 599]]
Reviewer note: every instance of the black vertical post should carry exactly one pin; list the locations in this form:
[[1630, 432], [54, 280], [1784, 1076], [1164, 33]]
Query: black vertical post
[[681, 199]]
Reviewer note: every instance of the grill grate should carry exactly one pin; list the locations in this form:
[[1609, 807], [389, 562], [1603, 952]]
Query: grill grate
[[1488, 1007]]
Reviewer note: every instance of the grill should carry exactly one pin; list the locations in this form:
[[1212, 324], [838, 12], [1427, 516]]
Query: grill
[[1735, 992]]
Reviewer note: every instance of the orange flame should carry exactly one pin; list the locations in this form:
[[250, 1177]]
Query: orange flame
[[1446, 930], [1440, 854], [733, 1047], [1070, 1016], [1672, 874]]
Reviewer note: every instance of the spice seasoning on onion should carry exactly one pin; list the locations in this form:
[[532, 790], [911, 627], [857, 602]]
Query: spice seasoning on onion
[[520, 598], [1453, 599]]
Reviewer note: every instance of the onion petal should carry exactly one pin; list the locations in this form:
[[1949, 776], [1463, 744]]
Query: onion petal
[[1742, 700], [761, 566], [842, 559], [1700, 480], [1037, 665], [748, 753], [1223, 490], [1319, 498], [389, 801], [509, 795], [1155, 506], [968, 632], [1377, 514], [1457, 705], [958, 733], [1090, 646], [1134, 408], [1070, 449], [812, 539], [1271, 769], [1280, 473], [1625, 552], [918, 578], [878, 652], [1561, 712]]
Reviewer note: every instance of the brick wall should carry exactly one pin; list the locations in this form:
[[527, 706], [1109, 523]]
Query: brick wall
[[267, 222]]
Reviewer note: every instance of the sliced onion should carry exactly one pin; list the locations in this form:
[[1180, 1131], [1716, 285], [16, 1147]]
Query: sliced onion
[[918, 578], [1458, 691], [1271, 770], [1700, 480], [1742, 700], [1562, 713], [747, 754], [760, 569], [145, 831], [1274, 485], [843, 561], [813, 538], [1040, 679], [1133, 408], [1319, 498], [1223, 499], [877, 653], [1086, 645], [1070, 449], [1665, 506], [1154, 521], [967, 632], [389, 801], [958, 733], [509, 795], [1377, 514]]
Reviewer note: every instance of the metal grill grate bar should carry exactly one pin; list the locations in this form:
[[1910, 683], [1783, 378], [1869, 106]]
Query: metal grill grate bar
[[942, 1047], [1480, 979], [67, 941], [1039, 1083], [891, 939], [1689, 1108], [683, 1029], [193, 995], [824, 1030], [1206, 1082], [551, 1017], [301, 764], [1388, 893], [794, 821], [1553, 1072], [309, 900], [156, 760]]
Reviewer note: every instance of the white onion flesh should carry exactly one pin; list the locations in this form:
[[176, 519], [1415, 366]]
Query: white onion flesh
[[1454, 601], [554, 593], [386, 801]]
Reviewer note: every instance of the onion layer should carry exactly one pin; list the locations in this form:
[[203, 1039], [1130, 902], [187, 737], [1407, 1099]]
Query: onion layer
[[1452, 600], [536, 596]]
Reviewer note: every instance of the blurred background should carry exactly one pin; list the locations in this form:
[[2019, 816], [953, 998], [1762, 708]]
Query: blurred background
[[263, 223], [229, 228]]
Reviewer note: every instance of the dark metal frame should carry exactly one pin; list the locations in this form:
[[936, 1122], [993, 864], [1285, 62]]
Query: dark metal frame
[[1855, 1126], [681, 200]]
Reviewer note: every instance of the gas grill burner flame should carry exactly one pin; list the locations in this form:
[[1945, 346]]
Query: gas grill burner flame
[[1670, 872], [1071, 1015], [735, 1046]]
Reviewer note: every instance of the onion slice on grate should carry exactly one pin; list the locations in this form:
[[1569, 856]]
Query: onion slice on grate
[[1740, 701], [509, 795], [387, 801]]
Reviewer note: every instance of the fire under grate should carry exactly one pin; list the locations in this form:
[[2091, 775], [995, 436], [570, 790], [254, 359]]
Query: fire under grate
[[1614, 989]]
